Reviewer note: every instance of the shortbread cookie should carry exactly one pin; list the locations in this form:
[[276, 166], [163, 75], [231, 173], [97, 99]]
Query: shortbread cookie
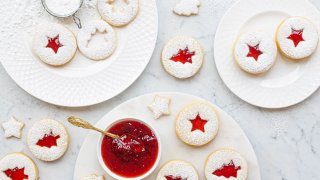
[[118, 12], [197, 124], [255, 52], [54, 44], [160, 106], [48, 140], [187, 7], [93, 177], [13, 128], [297, 38], [177, 170], [182, 57], [18, 166], [97, 48], [226, 164]]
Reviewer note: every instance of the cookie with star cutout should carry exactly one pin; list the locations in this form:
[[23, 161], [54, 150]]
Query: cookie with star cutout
[[197, 124], [177, 170], [54, 44], [225, 164], [297, 38], [13, 128], [48, 140], [255, 52], [18, 166], [182, 57]]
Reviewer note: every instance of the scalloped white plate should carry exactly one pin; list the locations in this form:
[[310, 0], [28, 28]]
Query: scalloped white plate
[[288, 82], [230, 135], [82, 82]]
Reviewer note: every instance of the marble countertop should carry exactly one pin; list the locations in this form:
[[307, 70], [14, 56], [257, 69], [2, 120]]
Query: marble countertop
[[286, 141]]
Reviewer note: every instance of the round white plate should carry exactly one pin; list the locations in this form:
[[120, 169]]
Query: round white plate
[[82, 82], [288, 82], [230, 135]]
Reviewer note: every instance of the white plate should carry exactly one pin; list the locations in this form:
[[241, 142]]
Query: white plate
[[82, 82], [230, 136], [288, 82]]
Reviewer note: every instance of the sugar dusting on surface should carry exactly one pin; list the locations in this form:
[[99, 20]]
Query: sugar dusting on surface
[[63, 7]]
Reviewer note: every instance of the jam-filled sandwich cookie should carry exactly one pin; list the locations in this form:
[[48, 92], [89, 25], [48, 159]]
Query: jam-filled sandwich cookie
[[18, 166], [197, 124], [177, 170], [118, 12], [255, 52], [182, 57], [93, 177], [297, 38], [226, 164], [97, 48], [54, 44], [48, 140]]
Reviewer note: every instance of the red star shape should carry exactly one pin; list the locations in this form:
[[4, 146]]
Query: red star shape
[[16, 174], [54, 43], [254, 52], [198, 124], [174, 178], [296, 36], [227, 170], [183, 56]]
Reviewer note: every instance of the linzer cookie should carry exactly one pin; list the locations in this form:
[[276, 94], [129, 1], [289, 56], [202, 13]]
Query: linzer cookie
[[48, 140]]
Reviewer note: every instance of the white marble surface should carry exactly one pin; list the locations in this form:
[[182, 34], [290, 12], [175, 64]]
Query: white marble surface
[[287, 141]]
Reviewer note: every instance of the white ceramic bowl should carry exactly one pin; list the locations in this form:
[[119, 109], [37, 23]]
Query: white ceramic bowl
[[116, 176]]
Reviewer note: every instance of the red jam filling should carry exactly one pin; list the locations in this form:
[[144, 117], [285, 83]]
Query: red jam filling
[[174, 178], [254, 52], [48, 140], [54, 44], [227, 170], [198, 124], [183, 56], [296, 37], [16, 174], [126, 162]]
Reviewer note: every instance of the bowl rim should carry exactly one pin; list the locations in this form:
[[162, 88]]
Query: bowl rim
[[116, 176]]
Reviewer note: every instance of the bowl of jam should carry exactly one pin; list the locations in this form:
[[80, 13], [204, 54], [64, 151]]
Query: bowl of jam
[[134, 155]]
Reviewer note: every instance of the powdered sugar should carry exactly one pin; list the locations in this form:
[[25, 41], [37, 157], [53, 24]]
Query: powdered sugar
[[18, 160], [45, 127], [13, 128], [178, 168], [100, 48], [310, 38], [187, 7], [118, 12], [160, 106], [177, 69], [93, 177], [63, 7], [222, 157], [266, 45], [184, 126]]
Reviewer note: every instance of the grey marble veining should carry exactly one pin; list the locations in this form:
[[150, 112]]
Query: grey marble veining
[[286, 141]]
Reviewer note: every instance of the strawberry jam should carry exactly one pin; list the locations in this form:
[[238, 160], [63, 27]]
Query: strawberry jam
[[198, 124], [135, 160], [296, 37], [174, 178], [48, 140], [54, 44], [227, 170], [16, 174], [254, 52], [183, 56]]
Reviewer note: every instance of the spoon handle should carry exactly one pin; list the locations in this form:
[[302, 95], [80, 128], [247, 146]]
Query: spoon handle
[[86, 125]]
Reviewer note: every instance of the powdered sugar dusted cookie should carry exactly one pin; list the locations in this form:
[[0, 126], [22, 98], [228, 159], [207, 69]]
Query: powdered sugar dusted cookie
[[297, 38], [93, 177], [187, 7], [197, 124], [48, 140], [97, 48], [18, 166], [226, 164], [160, 106], [13, 128], [118, 12], [255, 52], [182, 57], [54, 44], [177, 170]]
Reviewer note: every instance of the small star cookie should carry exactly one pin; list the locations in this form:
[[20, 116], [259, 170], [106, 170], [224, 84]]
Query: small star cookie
[[187, 7], [160, 106], [93, 177], [12, 128]]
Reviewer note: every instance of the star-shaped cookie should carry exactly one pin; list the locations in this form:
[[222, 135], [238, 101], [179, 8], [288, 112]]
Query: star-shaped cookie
[[160, 106], [93, 177], [13, 128]]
